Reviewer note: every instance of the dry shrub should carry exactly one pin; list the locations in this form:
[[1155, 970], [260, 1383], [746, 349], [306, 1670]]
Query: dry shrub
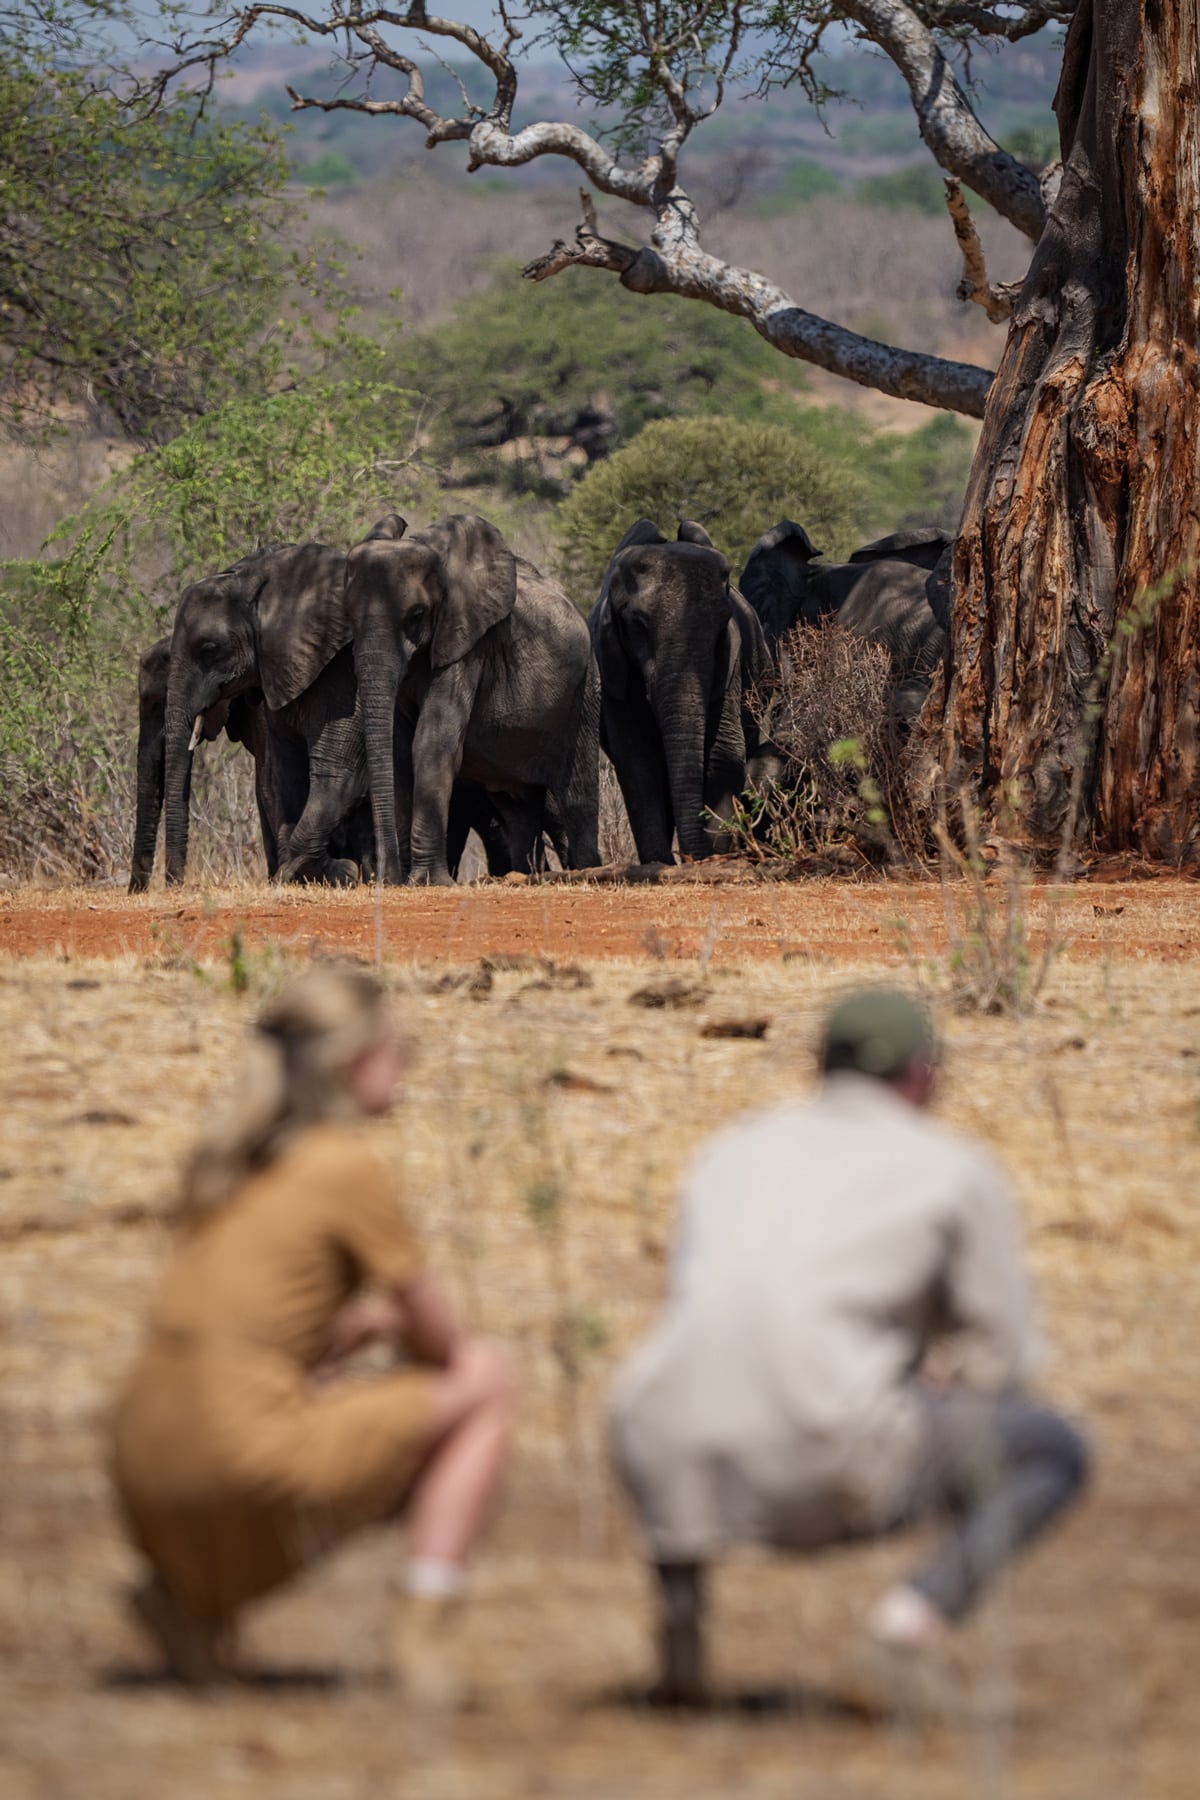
[[830, 711], [50, 828]]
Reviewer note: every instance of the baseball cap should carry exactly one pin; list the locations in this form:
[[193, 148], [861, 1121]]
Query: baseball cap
[[877, 1031]]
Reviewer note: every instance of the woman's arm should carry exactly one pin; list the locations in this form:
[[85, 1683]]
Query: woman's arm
[[415, 1317], [427, 1326]]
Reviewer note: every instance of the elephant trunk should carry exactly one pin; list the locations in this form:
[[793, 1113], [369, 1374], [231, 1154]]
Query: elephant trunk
[[681, 705], [379, 678], [151, 754], [178, 759]]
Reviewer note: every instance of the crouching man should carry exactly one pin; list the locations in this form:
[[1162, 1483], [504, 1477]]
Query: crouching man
[[782, 1398]]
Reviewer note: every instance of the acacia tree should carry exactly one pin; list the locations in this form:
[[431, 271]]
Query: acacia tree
[[139, 253], [1082, 493]]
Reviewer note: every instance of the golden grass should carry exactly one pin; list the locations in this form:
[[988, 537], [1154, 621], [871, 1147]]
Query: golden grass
[[545, 1128]]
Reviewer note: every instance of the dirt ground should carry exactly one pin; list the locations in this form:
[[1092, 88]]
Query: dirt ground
[[547, 1120]]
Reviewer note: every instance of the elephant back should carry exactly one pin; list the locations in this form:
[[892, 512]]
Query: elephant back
[[923, 546]]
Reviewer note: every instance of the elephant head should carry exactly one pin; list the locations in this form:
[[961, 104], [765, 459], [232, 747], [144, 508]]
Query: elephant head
[[668, 639], [417, 604], [777, 580], [273, 622]]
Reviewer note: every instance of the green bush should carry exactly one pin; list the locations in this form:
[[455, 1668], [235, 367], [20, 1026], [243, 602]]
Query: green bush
[[582, 363], [321, 461], [735, 479]]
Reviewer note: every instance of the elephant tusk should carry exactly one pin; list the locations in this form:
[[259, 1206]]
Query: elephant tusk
[[197, 733]]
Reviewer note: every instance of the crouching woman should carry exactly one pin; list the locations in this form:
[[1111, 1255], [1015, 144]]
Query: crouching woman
[[236, 1457]]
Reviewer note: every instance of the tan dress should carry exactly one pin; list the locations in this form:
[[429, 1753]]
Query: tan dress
[[235, 1469]]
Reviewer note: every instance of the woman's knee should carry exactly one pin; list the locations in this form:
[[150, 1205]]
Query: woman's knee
[[479, 1376]]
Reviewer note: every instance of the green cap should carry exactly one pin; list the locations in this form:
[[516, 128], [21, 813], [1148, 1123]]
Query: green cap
[[877, 1031]]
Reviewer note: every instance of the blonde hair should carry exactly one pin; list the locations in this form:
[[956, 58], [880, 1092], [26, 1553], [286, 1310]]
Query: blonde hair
[[294, 1073]]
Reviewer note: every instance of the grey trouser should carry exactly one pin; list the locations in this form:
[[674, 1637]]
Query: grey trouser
[[1001, 1470], [998, 1469]]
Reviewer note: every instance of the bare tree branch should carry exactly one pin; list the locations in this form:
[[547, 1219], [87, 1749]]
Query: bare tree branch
[[673, 263], [1010, 22], [947, 121], [996, 298]]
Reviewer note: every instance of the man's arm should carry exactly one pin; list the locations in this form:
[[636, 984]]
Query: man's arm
[[987, 1289]]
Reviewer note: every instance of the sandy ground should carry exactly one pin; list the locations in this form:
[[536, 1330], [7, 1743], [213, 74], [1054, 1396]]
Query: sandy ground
[[547, 1121]]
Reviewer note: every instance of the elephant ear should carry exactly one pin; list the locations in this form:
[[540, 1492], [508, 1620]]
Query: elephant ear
[[302, 620], [610, 657], [691, 533], [775, 577], [479, 578], [785, 539], [642, 531], [391, 528]]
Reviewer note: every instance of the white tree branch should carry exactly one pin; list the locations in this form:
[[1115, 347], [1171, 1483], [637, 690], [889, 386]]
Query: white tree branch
[[674, 263], [945, 117]]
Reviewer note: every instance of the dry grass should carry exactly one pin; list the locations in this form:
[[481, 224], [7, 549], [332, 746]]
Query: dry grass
[[1093, 1105]]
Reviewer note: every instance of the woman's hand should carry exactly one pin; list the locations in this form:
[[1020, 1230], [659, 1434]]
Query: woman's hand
[[367, 1319]]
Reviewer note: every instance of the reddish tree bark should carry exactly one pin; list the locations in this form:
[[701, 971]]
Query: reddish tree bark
[[1084, 504]]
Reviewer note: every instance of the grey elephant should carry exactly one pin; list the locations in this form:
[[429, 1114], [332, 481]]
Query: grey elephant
[[280, 793], [680, 654], [281, 790], [275, 623], [884, 595], [470, 663]]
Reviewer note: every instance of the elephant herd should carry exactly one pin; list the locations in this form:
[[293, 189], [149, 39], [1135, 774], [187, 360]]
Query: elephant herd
[[429, 683]]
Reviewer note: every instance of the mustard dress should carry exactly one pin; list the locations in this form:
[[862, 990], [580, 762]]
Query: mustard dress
[[233, 1466]]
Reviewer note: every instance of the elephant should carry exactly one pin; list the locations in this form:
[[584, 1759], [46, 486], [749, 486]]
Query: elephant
[[679, 652], [244, 721], [472, 665], [923, 546], [884, 595], [273, 623]]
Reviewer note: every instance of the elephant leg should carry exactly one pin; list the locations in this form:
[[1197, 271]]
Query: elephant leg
[[633, 743], [402, 768], [437, 757], [337, 780], [459, 821], [521, 818], [556, 830], [576, 800]]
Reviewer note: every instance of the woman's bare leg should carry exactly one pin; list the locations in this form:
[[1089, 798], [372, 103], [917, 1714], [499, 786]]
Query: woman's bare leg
[[474, 1413]]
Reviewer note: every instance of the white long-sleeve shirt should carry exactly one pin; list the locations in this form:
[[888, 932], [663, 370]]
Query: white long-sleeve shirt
[[822, 1246]]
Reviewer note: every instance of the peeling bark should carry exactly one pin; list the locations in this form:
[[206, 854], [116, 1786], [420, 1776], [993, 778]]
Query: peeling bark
[[1083, 513]]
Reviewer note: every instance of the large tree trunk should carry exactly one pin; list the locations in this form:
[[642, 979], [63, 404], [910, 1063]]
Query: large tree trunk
[[1082, 516]]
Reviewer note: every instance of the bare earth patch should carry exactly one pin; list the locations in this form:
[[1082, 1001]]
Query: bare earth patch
[[546, 1125]]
